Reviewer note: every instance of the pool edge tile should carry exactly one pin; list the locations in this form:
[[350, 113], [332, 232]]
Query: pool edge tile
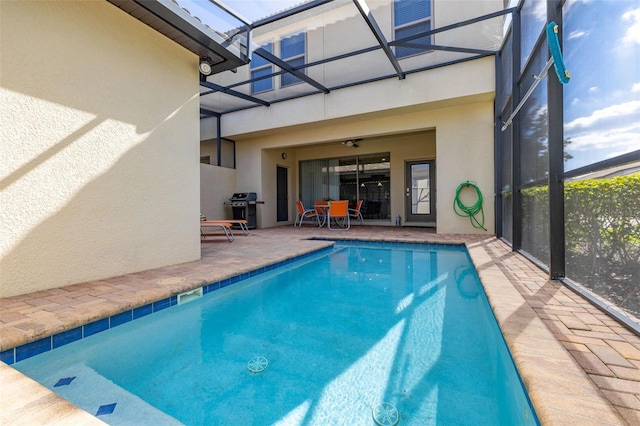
[[67, 337], [32, 349]]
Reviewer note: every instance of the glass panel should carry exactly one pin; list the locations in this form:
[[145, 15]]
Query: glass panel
[[289, 79], [406, 11], [420, 189], [535, 222], [506, 153], [374, 176], [507, 216], [506, 71], [534, 127], [602, 100], [533, 20], [259, 61], [602, 217], [264, 84], [333, 179], [347, 170], [292, 46], [312, 181], [402, 52], [506, 185]]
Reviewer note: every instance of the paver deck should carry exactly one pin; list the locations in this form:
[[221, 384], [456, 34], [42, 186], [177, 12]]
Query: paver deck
[[579, 365]]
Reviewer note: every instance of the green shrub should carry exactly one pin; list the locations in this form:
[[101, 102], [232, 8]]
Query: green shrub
[[602, 235], [602, 218]]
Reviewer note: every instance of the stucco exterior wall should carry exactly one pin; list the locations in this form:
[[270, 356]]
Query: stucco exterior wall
[[453, 105], [453, 85], [217, 185], [460, 138], [100, 146]]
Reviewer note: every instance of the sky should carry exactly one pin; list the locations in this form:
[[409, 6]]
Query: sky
[[601, 51], [602, 99]]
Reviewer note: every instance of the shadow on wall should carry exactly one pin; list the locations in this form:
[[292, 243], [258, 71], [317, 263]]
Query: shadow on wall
[[97, 182], [91, 221]]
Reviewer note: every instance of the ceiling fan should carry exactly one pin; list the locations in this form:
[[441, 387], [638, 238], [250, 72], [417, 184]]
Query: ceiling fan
[[353, 143]]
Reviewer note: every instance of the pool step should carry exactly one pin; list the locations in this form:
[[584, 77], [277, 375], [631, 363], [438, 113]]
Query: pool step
[[84, 387]]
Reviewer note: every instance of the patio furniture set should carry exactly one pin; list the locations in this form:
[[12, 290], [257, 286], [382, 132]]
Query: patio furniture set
[[335, 214]]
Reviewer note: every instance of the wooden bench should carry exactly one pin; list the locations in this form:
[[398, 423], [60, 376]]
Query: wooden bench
[[224, 225], [242, 223]]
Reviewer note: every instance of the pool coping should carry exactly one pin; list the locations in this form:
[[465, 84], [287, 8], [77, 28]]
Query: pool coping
[[558, 387], [560, 391]]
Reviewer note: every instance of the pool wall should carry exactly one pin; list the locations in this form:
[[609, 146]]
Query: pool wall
[[28, 350]]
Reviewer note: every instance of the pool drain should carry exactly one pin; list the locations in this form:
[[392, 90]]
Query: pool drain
[[385, 414], [257, 364]]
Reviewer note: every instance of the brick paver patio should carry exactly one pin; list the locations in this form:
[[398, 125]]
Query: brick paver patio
[[579, 365]]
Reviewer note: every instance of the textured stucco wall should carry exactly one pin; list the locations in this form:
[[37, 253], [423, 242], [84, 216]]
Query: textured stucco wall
[[217, 185], [455, 102], [460, 138], [100, 140]]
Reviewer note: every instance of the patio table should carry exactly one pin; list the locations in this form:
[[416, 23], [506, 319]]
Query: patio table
[[322, 208]]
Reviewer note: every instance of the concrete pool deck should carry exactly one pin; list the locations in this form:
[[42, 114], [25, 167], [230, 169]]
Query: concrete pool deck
[[579, 365]]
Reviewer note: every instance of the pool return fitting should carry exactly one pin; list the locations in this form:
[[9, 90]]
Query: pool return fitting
[[471, 211]]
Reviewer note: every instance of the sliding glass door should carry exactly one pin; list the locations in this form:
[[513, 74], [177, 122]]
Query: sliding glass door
[[351, 178]]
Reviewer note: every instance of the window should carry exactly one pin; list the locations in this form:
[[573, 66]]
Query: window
[[411, 17], [260, 67], [292, 51]]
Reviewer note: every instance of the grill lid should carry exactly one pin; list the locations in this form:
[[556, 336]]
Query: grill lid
[[244, 196]]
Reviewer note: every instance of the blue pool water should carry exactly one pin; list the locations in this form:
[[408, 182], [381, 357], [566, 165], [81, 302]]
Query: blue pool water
[[339, 333]]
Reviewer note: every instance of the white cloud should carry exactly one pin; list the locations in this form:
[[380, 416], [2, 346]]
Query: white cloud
[[594, 89], [575, 101], [632, 36], [577, 34], [597, 117], [635, 87], [615, 141], [538, 11]]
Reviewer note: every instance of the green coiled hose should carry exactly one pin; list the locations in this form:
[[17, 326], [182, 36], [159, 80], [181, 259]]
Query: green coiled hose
[[472, 211]]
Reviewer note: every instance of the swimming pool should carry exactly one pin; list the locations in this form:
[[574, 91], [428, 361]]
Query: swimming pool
[[340, 332]]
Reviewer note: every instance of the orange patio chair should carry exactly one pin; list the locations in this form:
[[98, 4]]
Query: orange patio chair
[[305, 214], [355, 213], [339, 212]]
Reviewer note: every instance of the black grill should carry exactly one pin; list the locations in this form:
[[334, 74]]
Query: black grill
[[243, 205]]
